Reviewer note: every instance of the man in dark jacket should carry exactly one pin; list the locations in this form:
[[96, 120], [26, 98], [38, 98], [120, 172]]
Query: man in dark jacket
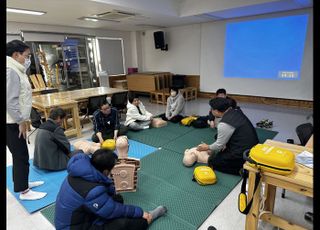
[[52, 148], [223, 94], [235, 134], [106, 123], [87, 198]]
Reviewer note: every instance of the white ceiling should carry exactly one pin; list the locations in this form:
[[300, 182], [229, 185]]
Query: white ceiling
[[150, 14]]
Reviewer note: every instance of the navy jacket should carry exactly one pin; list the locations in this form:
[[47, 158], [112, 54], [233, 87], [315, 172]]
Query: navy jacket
[[85, 198], [110, 121]]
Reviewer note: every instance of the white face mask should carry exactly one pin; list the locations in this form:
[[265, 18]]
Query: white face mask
[[173, 94], [27, 63]]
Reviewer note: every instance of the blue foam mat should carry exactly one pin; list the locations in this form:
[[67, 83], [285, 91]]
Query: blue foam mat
[[52, 182], [136, 149]]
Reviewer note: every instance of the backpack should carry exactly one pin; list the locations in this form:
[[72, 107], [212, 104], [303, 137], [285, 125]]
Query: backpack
[[204, 175], [187, 121], [35, 118]]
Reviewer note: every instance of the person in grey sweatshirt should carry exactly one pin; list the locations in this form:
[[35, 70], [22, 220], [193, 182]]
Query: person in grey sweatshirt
[[175, 106]]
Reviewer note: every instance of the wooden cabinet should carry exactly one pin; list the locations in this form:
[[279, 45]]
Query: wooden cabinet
[[148, 81]]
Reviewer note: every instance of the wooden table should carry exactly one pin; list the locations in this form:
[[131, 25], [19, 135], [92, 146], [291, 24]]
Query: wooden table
[[69, 100], [299, 181], [45, 90]]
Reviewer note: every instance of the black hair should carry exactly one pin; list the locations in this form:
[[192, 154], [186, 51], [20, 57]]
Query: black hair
[[16, 46], [176, 89], [221, 104], [57, 112], [104, 102], [221, 90], [132, 96], [103, 159]]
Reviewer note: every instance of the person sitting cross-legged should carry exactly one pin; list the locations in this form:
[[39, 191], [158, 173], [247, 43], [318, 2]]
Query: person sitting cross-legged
[[106, 123], [137, 117], [87, 197], [175, 106]]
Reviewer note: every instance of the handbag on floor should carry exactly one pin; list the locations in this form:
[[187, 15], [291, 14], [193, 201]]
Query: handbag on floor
[[204, 175]]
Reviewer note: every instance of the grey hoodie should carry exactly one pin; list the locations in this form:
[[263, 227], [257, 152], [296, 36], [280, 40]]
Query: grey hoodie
[[175, 105]]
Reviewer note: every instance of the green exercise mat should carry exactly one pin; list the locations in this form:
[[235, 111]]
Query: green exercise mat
[[158, 137], [163, 180]]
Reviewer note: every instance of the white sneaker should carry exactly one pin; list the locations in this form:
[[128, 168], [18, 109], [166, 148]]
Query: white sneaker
[[32, 195], [35, 183], [146, 127]]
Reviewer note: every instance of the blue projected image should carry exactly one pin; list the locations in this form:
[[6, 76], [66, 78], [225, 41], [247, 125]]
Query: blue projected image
[[265, 48]]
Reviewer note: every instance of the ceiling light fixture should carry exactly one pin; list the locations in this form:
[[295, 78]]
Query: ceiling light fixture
[[23, 11], [91, 19]]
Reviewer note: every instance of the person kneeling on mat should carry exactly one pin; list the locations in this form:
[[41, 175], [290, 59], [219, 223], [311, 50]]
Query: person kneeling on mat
[[87, 197], [235, 135]]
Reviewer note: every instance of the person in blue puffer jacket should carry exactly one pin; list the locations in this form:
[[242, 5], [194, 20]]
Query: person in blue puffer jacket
[[87, 197]]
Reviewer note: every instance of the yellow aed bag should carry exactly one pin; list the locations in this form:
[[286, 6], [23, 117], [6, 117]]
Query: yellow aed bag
[[109, 144], [188, 120], [271, 159], [204, 175]]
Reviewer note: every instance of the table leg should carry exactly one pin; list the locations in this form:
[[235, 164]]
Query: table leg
[[76, 120], [270, 193], [253, 215]]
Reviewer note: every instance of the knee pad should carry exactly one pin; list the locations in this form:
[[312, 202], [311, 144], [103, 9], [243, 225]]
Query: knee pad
[[189, 158]]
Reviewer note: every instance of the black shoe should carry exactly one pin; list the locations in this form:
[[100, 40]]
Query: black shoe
[[308, 216]]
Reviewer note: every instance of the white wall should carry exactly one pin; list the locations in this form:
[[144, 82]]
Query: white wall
[[183, 56], [15, 27], [199, 49]]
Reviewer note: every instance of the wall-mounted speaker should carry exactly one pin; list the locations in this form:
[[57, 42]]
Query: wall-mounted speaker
[[159, 40]]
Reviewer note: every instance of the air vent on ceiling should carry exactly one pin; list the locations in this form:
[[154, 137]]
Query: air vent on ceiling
[[114, 15]]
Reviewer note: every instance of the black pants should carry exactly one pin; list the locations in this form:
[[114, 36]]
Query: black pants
[[122, 223], [175, 119], [109, 133], [224, 164], [20, 158]]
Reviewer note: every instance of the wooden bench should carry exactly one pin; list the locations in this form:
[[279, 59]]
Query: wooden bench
[[189, 93], [161, 96]]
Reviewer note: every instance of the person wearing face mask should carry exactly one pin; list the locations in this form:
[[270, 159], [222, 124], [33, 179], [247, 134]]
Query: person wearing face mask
[[235, 135], [175, 106], [106, 124], [19, 103], [137, 117], [52, 148]]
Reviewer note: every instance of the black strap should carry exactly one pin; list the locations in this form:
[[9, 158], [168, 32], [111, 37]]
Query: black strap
[[245, 175], [139, 110]]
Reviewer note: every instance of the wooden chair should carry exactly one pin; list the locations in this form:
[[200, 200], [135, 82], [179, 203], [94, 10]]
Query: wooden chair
[[35, 81], [41, 81]]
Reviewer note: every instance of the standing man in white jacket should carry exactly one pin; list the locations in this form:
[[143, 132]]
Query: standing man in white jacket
[[138, 117], [19, 103]]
